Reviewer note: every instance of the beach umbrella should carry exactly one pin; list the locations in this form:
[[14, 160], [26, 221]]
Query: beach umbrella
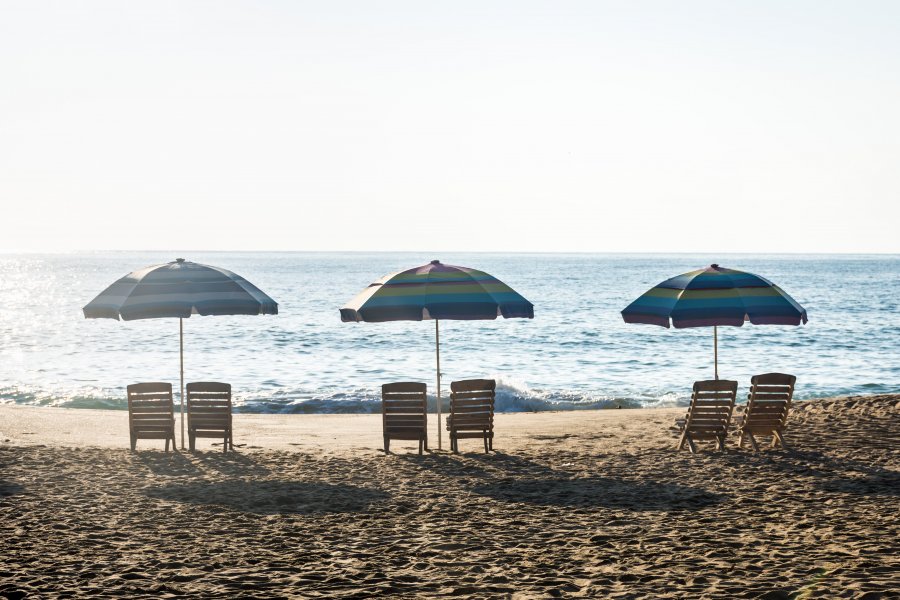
[[179, 289], [433, 292], [712, 297]]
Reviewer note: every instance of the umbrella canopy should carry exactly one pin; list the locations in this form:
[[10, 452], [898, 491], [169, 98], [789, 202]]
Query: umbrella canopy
[[715, 296], [437, 291], [179, 289]]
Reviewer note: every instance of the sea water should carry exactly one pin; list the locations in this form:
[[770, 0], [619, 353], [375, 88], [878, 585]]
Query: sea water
[[576, 353]]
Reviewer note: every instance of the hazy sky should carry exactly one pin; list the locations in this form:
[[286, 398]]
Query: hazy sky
[[519, 126]]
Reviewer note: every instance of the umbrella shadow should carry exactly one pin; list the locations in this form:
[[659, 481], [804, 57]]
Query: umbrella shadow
[[608, 492], [269, 497], [840, 476], [882, 484]]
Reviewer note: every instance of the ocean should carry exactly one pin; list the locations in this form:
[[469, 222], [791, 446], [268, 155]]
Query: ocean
[[576, 353]]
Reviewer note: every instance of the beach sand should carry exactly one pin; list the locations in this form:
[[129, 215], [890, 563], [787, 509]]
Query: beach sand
[[571, 504]]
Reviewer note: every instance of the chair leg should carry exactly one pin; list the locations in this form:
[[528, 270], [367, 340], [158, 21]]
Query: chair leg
[[225, 444], [387, 445], [682, 441], [753, 442], [491, 441], [780, 439], [192, 442], [691, 444], [486, 443]]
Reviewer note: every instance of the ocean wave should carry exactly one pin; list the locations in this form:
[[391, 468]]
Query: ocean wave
[[512, 397]]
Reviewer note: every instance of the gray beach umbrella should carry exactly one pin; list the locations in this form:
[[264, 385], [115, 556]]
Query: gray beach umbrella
[[437, 291], [179, 289]]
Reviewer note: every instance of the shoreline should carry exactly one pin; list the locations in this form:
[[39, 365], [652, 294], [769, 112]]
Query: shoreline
[[104, 428], [108, 428]]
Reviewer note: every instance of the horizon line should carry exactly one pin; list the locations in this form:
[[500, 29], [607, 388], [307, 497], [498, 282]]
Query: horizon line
[[426, 251]]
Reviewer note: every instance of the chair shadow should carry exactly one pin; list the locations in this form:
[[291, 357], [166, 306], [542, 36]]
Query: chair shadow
[[609, 492], [8, 488], [269, 497], [195, 463], [230, 463], [480, 465], [167, 463]]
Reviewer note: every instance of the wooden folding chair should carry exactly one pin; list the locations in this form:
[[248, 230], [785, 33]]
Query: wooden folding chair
[[709, 415], [472, 412], [404, 413], [768, 405], [209, 412], [151, 413]]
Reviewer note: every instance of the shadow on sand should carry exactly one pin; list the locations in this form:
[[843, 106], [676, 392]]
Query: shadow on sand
[[511, 478], [608, 492], [8, 488], [167, 463], [272, 496], [196, 463], [845, 476], [480, 465]]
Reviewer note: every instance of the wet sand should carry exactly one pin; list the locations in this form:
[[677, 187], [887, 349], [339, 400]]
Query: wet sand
[[574, 504]]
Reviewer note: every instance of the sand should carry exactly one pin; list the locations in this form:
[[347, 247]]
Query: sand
[[575, 504]]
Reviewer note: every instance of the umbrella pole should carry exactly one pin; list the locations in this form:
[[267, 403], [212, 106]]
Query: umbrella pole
[[716, 348], [181, 352], [437, 355]]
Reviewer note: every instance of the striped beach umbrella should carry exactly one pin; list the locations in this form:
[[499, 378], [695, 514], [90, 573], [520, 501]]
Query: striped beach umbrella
[[179, 289], [433, 292], [712, 297]]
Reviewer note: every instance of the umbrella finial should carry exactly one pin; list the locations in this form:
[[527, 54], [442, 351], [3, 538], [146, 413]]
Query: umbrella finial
[[179, 260], [714, 266], [435, 262]]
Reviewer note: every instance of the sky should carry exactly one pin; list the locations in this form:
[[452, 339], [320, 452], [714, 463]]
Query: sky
[[556, 126]]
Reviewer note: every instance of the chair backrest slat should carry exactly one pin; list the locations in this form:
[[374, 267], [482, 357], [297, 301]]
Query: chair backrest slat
[[711, 404], [769, 402], [403, 399], [149, 401], [207, 399], [472, 399]]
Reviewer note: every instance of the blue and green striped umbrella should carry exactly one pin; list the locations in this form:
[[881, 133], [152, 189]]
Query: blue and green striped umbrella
[[437, 291], [179, 289], [715, 296]]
